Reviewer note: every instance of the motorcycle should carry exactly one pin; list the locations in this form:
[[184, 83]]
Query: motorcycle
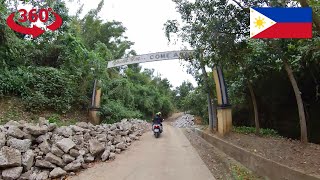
[[157, 130]]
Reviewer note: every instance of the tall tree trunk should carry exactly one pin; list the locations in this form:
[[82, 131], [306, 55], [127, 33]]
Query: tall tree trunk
[[210, 91], [210, 113], [255, 108], [315, 17], [302, 117]]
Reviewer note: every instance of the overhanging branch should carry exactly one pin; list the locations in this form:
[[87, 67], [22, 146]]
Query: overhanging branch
[[315, 17], [239, 4]]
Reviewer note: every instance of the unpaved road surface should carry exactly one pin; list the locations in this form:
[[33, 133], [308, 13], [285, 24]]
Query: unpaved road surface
[[170, 157]]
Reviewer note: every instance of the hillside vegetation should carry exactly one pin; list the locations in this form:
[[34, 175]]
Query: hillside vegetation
[[56, 71]]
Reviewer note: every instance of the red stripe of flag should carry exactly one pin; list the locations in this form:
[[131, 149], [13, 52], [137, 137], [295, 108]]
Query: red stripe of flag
[[287, 30]]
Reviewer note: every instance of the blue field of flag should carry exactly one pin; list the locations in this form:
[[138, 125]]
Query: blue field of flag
[[282, 15]]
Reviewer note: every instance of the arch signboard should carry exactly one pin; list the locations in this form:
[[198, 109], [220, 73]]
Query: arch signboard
[[159, 56]]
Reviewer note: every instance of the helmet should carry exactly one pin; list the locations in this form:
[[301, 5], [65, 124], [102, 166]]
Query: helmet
[[158, 113]]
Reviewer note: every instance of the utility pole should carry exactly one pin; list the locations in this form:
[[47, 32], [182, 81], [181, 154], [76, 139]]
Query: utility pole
[[214, 114], [210, 113]]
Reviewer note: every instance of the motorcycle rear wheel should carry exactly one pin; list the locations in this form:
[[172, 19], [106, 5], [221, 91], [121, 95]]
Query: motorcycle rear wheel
[[157, 134]]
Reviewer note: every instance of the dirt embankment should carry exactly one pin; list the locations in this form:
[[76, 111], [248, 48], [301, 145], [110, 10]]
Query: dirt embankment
[[12, 108], [285, 151], [291, 153]]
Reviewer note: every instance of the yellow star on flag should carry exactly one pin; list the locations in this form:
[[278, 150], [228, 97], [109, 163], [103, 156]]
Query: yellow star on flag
[[259, 22]]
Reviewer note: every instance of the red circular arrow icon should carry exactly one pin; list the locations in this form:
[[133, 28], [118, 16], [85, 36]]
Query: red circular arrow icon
[[35, 31], [56, 24]]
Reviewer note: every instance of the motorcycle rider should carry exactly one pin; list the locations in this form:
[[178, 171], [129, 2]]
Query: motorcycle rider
[[158, 120]]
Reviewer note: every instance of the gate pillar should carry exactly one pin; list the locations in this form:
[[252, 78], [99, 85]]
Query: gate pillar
[[224, 110]]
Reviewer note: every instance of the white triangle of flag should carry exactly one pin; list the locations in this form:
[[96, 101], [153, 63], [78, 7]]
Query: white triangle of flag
[[259, 22]]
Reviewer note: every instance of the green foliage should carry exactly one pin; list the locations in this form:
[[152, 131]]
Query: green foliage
[[9, 115], [182, 92], [40, 87], [196, 103], [219, 31], [136, 94], [115, 111], [11, 82], [50, 88], [120, 90], [55, 118], [151, 94], [56, 71], [167, 105], [252, 130], [240, 173]]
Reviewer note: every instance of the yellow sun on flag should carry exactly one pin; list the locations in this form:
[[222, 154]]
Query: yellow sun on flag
[[259, 22]]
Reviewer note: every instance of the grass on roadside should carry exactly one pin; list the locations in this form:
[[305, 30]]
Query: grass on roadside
[[239, 173], [8, 115], [11, 109], [252, 130], [55, 118]]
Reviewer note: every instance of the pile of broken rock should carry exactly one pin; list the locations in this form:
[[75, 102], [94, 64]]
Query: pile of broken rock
[[184, 121], [44, 151]]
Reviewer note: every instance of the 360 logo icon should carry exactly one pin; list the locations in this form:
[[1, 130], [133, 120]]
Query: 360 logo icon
[[33, 16]]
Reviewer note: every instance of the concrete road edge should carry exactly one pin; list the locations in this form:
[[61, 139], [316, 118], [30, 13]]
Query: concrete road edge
[[258, 164]]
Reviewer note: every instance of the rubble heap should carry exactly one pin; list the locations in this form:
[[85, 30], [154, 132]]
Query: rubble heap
[[44, 151], [184, 121]]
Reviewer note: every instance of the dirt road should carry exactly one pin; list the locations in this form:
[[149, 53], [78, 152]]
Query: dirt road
[[170, 157]]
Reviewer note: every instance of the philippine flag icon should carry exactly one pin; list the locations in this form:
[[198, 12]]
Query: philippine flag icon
[[281, 23]]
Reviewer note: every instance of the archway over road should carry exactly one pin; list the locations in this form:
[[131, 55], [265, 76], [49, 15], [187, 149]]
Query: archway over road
[[223, 112]]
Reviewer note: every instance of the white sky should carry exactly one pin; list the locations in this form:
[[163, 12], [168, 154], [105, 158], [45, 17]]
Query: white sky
[[144, 21]]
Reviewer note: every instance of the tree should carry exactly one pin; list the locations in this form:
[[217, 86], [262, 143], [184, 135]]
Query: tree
[[185, 88], [220, 28], [194, 103], [315, 17], [207, 31], [182, 92]]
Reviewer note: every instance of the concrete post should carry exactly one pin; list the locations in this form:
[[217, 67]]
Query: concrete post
[[224, 110]]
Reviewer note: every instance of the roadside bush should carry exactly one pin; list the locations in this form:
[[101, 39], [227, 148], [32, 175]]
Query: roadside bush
[[13, 82], [55, 118], [167, 106], [40, 87], [50, 88], [252, 130], [196, 103], [241, 173], [114, 111]]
